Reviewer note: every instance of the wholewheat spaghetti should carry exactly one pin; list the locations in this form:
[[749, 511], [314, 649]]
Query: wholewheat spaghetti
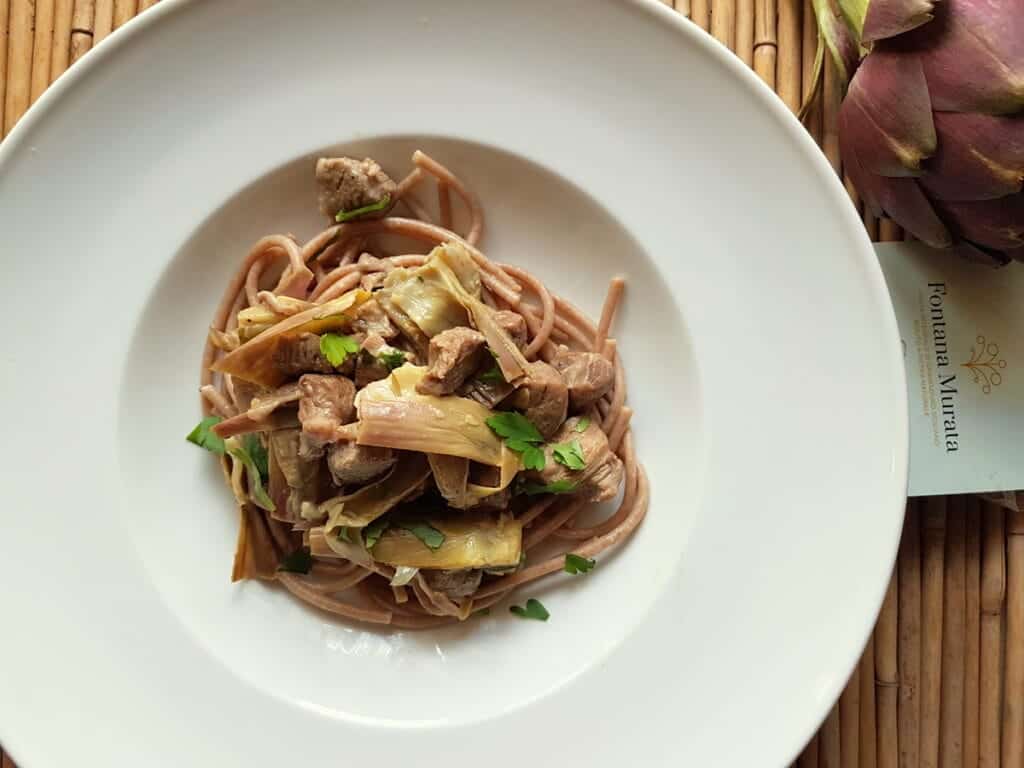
[[285, 280]]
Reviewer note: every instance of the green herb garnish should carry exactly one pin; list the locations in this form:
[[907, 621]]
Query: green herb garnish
[[493, 374], [514, 426], [482, 612], [299, 561], [380, 205], [392, 358], [256, 491], [576, 565], [204, 437], [343, 535], [426, 533], [533, 610], [255, 448], [520, 436], [569, 455], [336, 348], [373, 532], [559, 486], [582, 424]]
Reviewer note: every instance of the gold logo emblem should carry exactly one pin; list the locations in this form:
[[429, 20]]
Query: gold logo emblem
[[985, 364]]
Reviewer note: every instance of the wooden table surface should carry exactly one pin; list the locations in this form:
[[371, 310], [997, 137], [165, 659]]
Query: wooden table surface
[[941, 681]]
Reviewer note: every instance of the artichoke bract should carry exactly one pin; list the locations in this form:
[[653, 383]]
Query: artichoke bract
[[931, 129]]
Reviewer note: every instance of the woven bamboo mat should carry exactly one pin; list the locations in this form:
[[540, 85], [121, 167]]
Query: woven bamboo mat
[[941, 682]]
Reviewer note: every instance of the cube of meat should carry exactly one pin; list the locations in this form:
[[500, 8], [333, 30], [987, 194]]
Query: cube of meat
[[350, 463], [543, 398], [588, 375], [452, 357], [513, 324], [346, 184], [453, 583], [601, 476], [326, 403], [370, 318]]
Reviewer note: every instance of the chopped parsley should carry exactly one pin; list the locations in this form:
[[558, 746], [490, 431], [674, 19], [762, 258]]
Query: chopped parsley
[[576, 565], [559, 486], [204, 437], [373, 532], [533, 610], [514, 426], [492, 375], [255, 448], [426, 533], [336, 348], [355, 213], [299, 561], [343, 535], [582, 424], [392, 358], [520, 436], [569, 455]]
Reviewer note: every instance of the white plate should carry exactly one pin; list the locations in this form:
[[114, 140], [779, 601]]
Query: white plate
[[603, 137]]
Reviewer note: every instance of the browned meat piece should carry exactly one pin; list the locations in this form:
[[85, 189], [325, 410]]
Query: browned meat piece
[[326, 403], [588, 375], [346, 184], [600, 478], [299, 355], [453, 355], [453, 583], [543, 398], [352, 463], [513, 324], [371, 319]]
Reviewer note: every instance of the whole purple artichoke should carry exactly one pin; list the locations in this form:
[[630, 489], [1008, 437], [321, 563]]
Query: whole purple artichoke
[[931, 130]]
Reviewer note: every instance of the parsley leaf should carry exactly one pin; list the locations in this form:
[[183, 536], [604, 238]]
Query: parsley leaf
[[533, 610], [299, 561], [559, 486], [493, 374], [204, 437], [392, 358], [336, 348], [255, 448], [256, 491], [343, 535], [533, 457], [514, 426], [569, 455], [482, 612], [426, 533], [582, 424], [380, 205], [373, 532], [576, 565]]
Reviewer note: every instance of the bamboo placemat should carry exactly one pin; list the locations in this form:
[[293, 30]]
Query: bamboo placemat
[[941, 681]]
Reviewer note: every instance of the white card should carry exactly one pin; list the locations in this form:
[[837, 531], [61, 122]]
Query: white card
[[962, 327]]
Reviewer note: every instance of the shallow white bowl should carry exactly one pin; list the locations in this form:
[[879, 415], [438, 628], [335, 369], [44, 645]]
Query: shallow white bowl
[[604, 137]]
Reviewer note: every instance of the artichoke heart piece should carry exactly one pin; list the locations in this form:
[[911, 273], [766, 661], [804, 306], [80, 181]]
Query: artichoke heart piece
[[256, 359], [481, 542], [392, 414]]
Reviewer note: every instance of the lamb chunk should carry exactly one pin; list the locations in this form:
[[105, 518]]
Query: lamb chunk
[[600, 478], [588, 375], [351, 463], [326, 403], [454, 583], [301, 354], [370, 319], [513, 324], [346, 184], [543, 398], [452, 357]]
